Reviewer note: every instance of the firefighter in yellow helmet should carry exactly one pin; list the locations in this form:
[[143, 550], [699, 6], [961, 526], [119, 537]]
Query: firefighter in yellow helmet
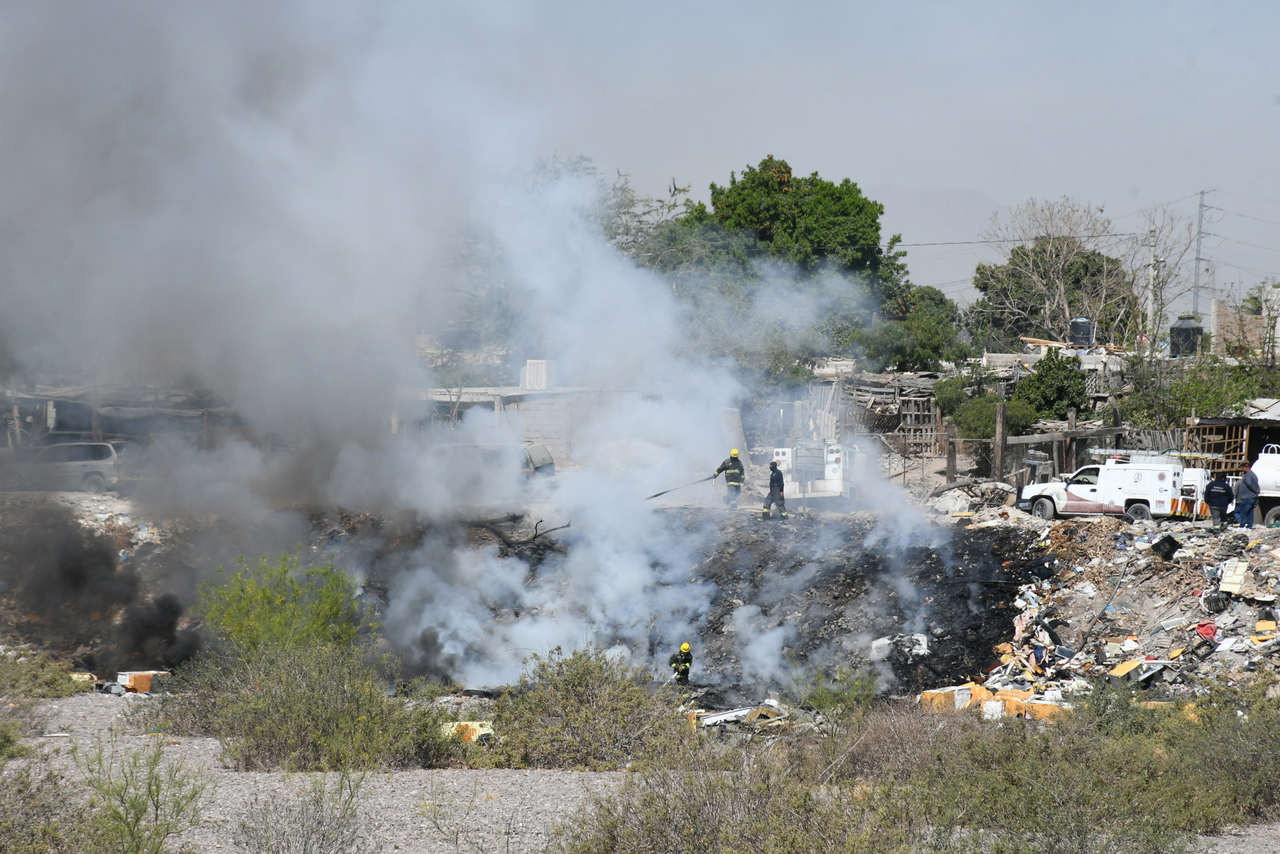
[[734, 475], [680, 663]]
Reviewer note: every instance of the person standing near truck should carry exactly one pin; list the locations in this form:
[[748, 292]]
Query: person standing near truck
[[1218, 495], [1247, 491], [775, 493]]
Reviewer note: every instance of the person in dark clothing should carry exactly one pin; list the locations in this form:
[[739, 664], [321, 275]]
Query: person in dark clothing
[[1247, 491], [1218, 496], [775, 493], [680, 663], [734, 474]]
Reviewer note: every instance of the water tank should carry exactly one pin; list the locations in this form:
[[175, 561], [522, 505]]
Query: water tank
[[1081, 332], [1184, 336]]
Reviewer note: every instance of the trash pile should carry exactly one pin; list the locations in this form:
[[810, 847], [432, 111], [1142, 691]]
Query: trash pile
[[1165, 607]]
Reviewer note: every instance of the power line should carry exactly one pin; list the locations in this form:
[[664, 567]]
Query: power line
[[1014, 239], [1243, 269], [1243, 242], [1246, 216]]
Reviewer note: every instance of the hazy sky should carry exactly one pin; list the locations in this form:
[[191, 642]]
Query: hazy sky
[[1122, 104]]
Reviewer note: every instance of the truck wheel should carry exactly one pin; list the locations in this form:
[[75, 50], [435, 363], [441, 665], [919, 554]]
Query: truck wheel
[[1140, 511], [1273, 516], [94, 484], [1043, 509]]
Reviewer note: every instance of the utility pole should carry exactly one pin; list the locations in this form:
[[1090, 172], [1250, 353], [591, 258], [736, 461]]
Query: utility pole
[[1151, 293], [1195, 286]]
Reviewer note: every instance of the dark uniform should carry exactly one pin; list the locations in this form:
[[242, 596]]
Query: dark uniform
[[1218, 496], [734, 474], [775, 493], [680, 662]]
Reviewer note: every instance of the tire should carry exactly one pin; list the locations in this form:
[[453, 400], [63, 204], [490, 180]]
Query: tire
[[1273, 516], [1043, 509], [1140, 511], [94, 484]]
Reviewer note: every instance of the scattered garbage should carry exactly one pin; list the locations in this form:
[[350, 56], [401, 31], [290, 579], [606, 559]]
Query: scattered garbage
[[1134, 605]]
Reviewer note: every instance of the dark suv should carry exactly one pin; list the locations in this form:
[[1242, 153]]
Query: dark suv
[[91, 466]]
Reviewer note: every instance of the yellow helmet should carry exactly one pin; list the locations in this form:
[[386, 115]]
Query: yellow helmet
[[734, 452], [684, 647]]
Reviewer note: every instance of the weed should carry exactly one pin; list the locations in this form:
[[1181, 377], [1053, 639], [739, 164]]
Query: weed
[[325, 818], [140, 801]]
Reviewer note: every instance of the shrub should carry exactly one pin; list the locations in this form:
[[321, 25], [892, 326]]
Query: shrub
[[588, 710], [140, 801], [281, 604], [950, 394], [317, 708], [977, 418], [41, 812], [326, 818], [10, 747], [1056, 386], [27, 673]]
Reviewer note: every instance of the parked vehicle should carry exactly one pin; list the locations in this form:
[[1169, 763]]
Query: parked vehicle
[[91, 466], [1267, 468], [1143, 485]]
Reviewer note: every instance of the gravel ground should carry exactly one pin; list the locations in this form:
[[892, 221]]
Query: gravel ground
[[488, 811], [478, 811]]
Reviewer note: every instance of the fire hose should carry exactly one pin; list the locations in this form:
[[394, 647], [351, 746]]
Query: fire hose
[[686, 486]]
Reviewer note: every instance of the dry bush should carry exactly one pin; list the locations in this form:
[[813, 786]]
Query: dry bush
[[27, 673], [324, 818], [588, 710], [316, 708], [41, 812]]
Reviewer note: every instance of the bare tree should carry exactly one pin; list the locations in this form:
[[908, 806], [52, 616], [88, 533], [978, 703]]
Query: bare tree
[[1059, 264]]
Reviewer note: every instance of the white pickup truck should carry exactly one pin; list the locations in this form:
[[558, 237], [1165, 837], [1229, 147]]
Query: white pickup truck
[[1143, 485]]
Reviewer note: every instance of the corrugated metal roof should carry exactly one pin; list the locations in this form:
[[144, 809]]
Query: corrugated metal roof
[[1263, 409]]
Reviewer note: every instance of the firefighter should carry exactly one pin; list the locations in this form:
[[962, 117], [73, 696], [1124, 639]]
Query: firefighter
[[775, 492], [680, 663], [734, 474]]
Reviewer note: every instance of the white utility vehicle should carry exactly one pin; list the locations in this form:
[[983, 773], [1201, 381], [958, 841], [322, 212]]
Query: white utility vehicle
[[1267, 468], [1142, 485]]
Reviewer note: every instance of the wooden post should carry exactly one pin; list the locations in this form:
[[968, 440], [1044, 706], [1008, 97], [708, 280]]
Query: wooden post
[[95, 426], [951, 458], [997, 445], [1115, 422], [1057, 456], [1072, 447], [937, 430]]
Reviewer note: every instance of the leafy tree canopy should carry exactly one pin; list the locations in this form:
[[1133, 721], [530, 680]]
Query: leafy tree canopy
[[808, 221], [1056, 386], [923, 336]]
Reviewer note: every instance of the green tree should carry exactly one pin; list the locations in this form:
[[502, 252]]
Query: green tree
[[809, 222], [1165, 393], [923, 337], [1057, 385]]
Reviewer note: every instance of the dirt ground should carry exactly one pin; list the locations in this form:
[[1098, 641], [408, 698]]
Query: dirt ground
[[481, 811]]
